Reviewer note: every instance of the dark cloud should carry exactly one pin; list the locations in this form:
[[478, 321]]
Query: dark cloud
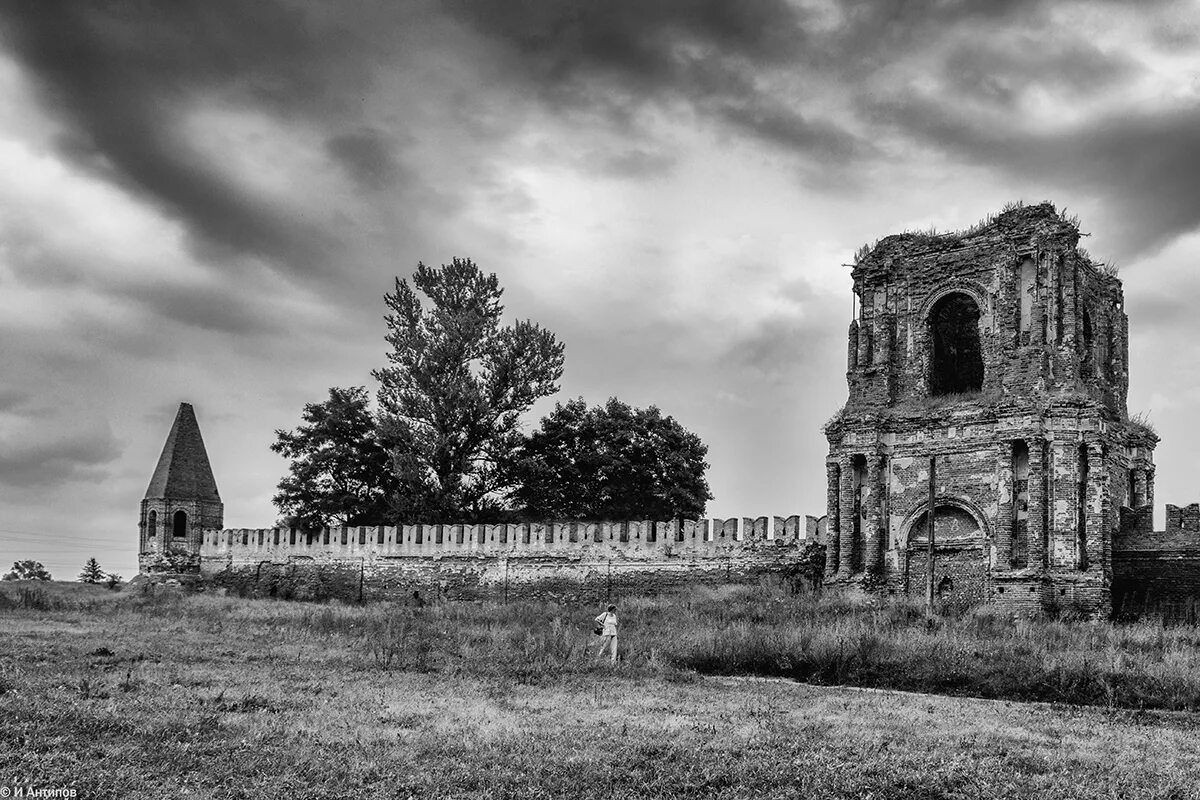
[[122, 73], [831, 87], [1001, 71], [615, 57], [1162, 312], [213, 308], [770, 70], [1145, 167], [367, 157], [635, 162], [782, 346], [12, 400], [54, 455], [791, 129]]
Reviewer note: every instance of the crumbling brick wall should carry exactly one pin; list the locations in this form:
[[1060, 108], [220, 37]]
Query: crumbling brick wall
[[1001, 353], [1157, 571]]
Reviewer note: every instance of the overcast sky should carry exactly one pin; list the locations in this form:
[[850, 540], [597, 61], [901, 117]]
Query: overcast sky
[[205, 202]]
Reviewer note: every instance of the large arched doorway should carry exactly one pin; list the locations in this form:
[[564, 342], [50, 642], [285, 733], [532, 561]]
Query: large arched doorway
[[956, 357], [179, 525], [959, 557]]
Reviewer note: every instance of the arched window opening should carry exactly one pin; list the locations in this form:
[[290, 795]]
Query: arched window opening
[[179, 528], [957, 357], [152, 524]]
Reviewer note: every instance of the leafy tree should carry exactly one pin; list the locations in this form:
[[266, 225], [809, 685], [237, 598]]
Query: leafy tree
[[91, 572], [113, 581], [28, 570], [340, 471], [457, 384], [611, 462]]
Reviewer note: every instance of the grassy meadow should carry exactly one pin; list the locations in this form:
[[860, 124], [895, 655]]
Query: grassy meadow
[[122, 694]]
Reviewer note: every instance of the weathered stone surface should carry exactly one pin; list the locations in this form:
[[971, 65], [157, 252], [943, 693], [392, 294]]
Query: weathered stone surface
[[567, 560], [1002, 354]]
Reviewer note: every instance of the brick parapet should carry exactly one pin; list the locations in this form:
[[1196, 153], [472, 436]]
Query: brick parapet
[[643, 540], [578, 560]]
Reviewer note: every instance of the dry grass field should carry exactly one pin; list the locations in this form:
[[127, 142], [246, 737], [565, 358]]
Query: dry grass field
[[133, 696]]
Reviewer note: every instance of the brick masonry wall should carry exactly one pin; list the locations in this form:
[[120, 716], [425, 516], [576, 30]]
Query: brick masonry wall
[[1158, 571], [579, 561], [1053, 341]]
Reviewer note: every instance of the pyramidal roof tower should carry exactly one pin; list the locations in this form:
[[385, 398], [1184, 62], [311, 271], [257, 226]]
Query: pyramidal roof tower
[[183, 470], [181, 501]]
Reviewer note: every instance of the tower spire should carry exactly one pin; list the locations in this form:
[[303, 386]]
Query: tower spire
[[183, 471], [181, 501]]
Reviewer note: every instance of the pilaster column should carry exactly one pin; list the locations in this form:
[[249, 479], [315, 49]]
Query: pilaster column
[[1005, 491], [864, 343], [1053, 295], [1037, 503], [1140, 488], [873, 533], [846, 514], [833, 519], [1097, 536], [852, 346]]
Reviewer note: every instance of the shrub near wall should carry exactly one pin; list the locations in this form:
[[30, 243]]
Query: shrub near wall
[[304, 582]]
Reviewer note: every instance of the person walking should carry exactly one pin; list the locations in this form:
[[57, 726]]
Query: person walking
[[606, 626]]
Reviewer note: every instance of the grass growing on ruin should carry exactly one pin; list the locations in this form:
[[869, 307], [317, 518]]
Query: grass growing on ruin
[[148, 696]]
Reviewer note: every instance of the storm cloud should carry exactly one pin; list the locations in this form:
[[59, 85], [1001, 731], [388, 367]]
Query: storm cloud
[[205, 200]]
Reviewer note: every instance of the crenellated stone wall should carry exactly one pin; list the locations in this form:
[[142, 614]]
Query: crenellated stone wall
[[1158, 571], [568, 560]]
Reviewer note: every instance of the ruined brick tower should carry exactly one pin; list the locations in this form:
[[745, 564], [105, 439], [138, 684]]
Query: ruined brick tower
[[181, 501], [1001, 353]]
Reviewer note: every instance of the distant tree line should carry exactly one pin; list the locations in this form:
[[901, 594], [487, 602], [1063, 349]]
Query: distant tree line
[[30, 570], [445, 443], [27, 570]]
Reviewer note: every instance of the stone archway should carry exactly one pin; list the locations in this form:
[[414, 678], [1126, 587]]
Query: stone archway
[[960, 554]]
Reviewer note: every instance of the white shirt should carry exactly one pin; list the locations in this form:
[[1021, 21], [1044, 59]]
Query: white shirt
[[609, 620]]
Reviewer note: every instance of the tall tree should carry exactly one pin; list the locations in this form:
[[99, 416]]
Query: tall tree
[[453, 394], [91, 572], [340, 472], [28, 570], [610, 462]]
